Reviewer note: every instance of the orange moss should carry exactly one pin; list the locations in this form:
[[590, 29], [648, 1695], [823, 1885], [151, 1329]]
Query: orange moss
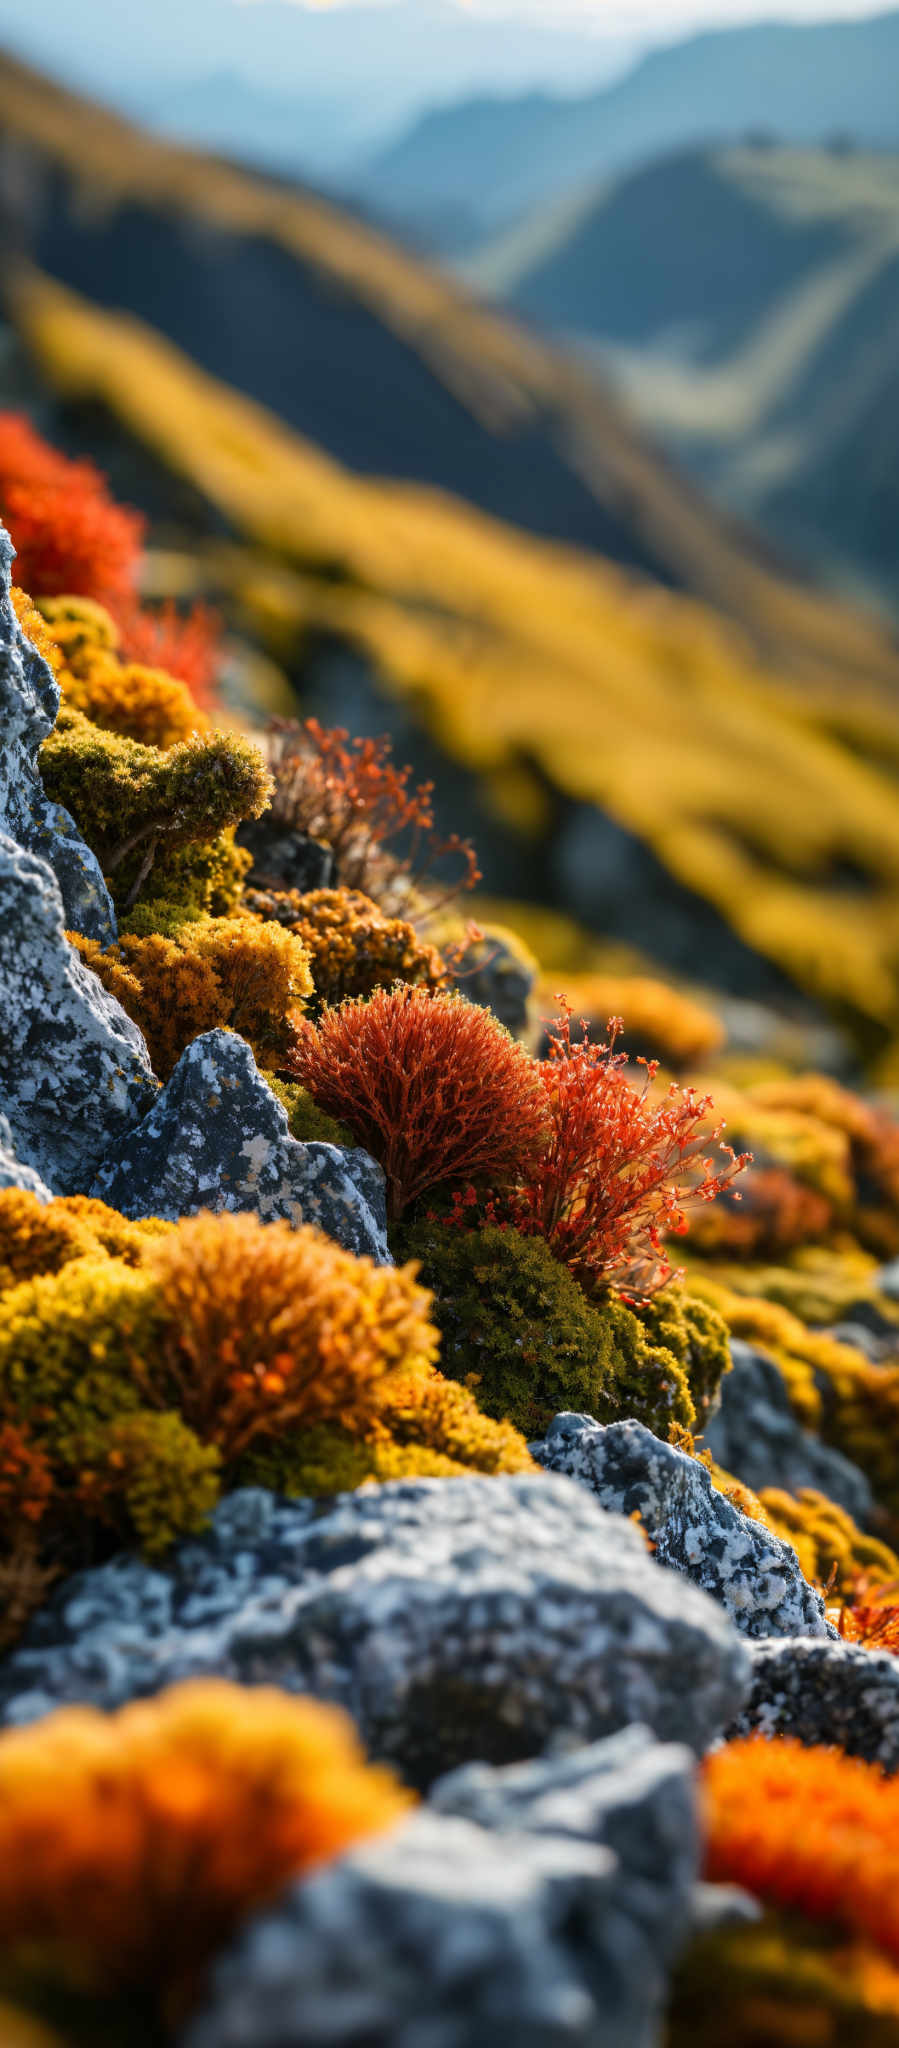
[[353, 948], [810, 1830], [132, 1845], [41, 1237]]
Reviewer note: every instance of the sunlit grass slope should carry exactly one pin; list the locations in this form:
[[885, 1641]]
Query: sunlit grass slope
[[514, 651], [90, 170]]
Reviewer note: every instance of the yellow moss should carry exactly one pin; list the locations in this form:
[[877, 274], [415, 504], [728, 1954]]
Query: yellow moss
[[145, 704], [824, 1535], [659, 1021], [41, 1237], [35, 629]]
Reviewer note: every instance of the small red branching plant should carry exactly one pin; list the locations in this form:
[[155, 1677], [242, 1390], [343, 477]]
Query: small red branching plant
[[350, 793], [71, 539], [433, 1087], [621, 1167], [184, 644], [871, 1615]]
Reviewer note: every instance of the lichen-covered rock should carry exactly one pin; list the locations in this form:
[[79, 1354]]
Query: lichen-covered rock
[[453, 1618], [835, 1692], [29, 702], [754, 1434], [76, 1072], [540, 1906], [694, 1529], [217, 1138], [12, 1173]]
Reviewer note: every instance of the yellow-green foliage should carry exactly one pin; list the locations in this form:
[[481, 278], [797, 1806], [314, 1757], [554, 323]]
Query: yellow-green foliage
[[494, 637], [519, 1330], [131, 801], [816, 1283], [41, 1237], [696, 1334], [353, 948], [81, 641], [187, 884], [824, 1535], [82, 630], [234, 973], [307, 1122], [783, 1982], [130, 1393]]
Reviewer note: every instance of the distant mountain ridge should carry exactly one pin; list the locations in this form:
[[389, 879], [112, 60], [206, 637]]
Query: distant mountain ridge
[[498, 158], [748, 302]]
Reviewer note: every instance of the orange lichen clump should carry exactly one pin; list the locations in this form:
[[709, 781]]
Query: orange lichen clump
[[260, 1328], [809, 1830], [132, 1845], [235, 973], [434, 1088], [353, 948], [41, 1237]]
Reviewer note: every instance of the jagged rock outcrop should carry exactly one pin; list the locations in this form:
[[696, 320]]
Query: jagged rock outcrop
[[12, 1173], [76, 1072], [694, 1529], [834, 1692], [542, 1906], [754, 1434], [217, 1138], [454, 1619], [29, 702]]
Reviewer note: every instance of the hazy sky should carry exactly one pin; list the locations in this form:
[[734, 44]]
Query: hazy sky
[[654, 16]]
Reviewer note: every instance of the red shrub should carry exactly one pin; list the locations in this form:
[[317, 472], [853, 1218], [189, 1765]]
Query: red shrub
[[350, 794], [186, 645], [70, 538], [433, 1087], [621, 1165]]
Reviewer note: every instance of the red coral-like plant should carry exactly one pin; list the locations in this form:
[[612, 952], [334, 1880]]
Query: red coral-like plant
[[349, 793], [621, 1165], [184, 644], [434, 1088], [70, 536]]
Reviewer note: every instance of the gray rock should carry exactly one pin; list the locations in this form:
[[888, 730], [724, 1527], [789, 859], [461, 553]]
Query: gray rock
[[754, 1434], [76, 1072], [832, 1692], [498, 976], [217, 1138], [694, 1528], [12, 1173], [453, 1618], [542, 1906], [876, 1339], [29, 702], [888, 1280]]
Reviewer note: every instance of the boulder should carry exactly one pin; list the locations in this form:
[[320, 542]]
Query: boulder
[[543, 1906], [76, 1071], [217, 1138], [754, 1434], [693, 1528], [14, 1175], [834, 1692], [453, 1618], [29, 703]]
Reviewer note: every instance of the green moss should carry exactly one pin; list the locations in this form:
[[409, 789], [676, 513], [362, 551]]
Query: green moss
[[187, 884], [307, 1122], [316, 1463], [136, 805], [698, 1337], [519, 1330]]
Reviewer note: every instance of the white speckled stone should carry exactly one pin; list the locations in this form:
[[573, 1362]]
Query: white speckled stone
[[695, 1529], [29, 702], [217, 1138], [75, 1070]]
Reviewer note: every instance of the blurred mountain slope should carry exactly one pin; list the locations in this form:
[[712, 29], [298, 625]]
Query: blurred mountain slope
[[748, 302], [630, 735], [501, 157]]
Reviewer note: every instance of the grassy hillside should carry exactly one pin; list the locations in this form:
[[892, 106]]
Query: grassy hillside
[[749, 301], [501, 158], [380, 360], [579, 697]]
